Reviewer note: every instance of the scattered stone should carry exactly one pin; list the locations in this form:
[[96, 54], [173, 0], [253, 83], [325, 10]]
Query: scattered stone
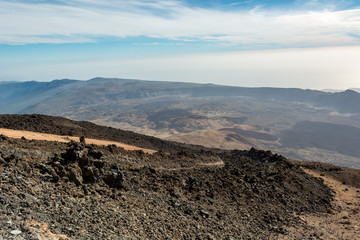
[[114, 179], [94, 192], [82, 139], [204, 213], [346, 222], [3, 137], [330, 211], [15, 232]]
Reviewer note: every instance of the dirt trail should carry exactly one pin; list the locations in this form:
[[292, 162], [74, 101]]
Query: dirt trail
[[58, 138], [341, 223], [198, 165]]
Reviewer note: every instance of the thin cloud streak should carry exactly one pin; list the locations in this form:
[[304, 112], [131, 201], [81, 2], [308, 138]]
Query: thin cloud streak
[[88, 21]]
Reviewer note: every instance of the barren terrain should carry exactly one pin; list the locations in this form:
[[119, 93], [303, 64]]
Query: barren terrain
[[341, 222], [86, 191], [58, 138], [301, 124]]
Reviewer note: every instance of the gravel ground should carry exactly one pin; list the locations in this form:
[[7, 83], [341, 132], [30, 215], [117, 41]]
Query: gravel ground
[[51, 190]]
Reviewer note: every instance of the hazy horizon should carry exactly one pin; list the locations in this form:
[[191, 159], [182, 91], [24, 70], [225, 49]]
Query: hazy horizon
[[312, 44]]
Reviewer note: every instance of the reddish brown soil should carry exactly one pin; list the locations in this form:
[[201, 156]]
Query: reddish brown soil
[[57, 138], [347, 176], [342, 222]]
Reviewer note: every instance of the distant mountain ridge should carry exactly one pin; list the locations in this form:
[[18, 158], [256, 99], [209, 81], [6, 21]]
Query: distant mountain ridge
[[16, 96], [355, 89], [36, 97]]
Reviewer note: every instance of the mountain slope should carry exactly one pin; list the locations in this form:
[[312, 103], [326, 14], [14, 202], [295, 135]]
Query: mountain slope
[[63, 126], [14, 97], [307, 134], [106, 90], [251, 117], [343, 102], [104, 192]]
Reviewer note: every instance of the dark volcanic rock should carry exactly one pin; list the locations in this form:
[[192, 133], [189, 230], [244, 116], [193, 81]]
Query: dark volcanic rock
[[114, 179], [63, 126], [93, 192]]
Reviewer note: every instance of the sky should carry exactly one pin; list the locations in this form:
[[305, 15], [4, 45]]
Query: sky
[[301, 43]]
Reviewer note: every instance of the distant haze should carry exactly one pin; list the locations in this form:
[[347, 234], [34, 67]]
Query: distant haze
[[314, 68]]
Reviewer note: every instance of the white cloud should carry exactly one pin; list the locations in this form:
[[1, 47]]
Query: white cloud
[[84, 21]]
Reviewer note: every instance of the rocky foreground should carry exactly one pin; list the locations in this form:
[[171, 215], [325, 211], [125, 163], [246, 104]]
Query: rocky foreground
[[51, 190]]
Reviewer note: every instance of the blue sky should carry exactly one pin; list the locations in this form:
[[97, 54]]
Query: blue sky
[[156, 39]]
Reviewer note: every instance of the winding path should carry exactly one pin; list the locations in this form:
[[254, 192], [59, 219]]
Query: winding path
[[198, 165]]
